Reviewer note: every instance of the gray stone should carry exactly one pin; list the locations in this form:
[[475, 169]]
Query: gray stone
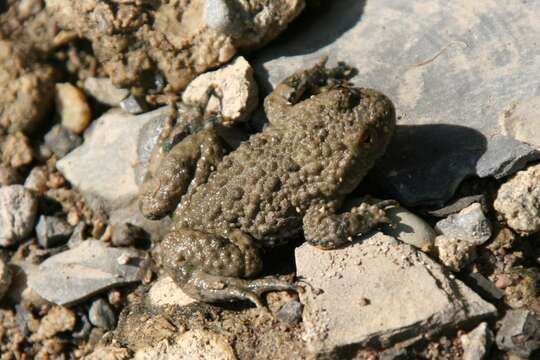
[[102, 315], [126, 234], [76, 274], [518, 200], [470, 224], [409, 228], [103, 90], [519, 333], [77, 236], [409, 295], [455, 254], [452, 74], [522, 121], [290, 312], [52, 231], [133, 105], [5, 278], [18, 208], [61, 140], [476, 344], [104, 165]]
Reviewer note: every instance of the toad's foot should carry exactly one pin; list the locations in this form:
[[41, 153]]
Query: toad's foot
[[211, 268], [326, 229], [213, 288]]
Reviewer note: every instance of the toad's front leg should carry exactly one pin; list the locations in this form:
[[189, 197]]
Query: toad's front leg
[[326, 229], [212, 268]]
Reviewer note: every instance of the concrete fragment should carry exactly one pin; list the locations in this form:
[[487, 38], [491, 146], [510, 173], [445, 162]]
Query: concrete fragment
[[470, 225], [103, 90], [518, 200], [102, 315], [5, 278], [477, 343], [409, 228], [61, 141], [193, 344], [454, 253], [232, 88], [73, 107], [166, 292], [18, 208], [442, 74], [519, 333], [52, 231], [408, 295], [85, 270]]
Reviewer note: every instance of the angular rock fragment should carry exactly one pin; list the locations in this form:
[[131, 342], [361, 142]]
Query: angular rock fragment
[[61, 140], [102, 315], [173, 39], [518, 200], [87, 269], [232, 89], [477, 343], [408, 295], [52, 231], [454, 253], [18, 208], [519, 333], [103, 90], [470, 225]]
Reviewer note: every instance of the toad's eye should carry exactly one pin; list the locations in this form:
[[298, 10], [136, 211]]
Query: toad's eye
[[367, 137]]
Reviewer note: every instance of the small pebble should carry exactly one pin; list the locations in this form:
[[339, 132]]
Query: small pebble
[[470, 225], [37, 179], [16, 151], [18, 208], [73, 107], [115, 297], [126, 234], [101, 315], [52, 231], [103, 90], [133, 105], [291, 312], [61, 140], [503, 281]]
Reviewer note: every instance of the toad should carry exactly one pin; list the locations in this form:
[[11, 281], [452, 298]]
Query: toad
[[288, 180]]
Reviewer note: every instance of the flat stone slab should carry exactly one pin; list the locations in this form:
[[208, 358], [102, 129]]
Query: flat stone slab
[[379, 291], [453, 70], [89, 268]]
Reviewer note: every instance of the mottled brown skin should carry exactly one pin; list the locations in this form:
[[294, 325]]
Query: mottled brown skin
[[324, 136]]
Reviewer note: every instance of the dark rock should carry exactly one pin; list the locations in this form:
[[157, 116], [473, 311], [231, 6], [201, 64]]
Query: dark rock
[[61, 140], [484, 287], [83, 328], [519, 333], [85, 270], [52, 231], [291, 312], [458, 205], [102, 315], [126, 234]]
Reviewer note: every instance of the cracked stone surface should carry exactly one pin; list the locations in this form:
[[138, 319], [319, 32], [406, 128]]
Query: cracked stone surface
[[452, 75], [379, 291]]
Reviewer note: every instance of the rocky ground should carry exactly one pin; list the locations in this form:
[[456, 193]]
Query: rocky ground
[[89, 85]]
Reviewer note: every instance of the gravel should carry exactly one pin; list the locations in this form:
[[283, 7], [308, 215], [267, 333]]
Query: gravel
[[18, 208]]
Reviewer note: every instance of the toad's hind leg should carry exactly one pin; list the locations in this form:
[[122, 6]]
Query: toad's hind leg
[[211, 268]]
